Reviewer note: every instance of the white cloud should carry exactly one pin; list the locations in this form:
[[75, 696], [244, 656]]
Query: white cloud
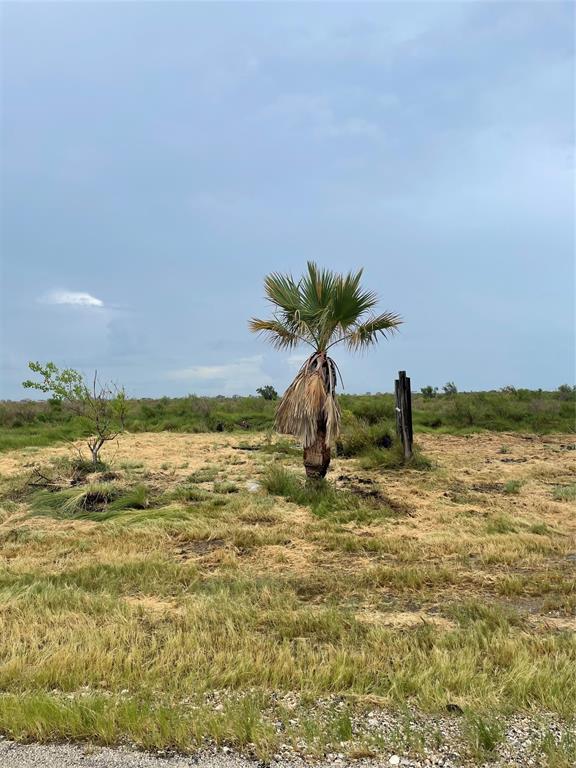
[[239, 375], [73, 299]]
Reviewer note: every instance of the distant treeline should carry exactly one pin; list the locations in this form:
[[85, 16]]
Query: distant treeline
[[36, 423]]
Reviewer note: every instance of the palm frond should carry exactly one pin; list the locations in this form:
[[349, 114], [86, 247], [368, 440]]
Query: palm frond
[[310, 403], [322, 309], [283, 291], [350, 302], [316, 290], [279, 334], [332, 418], [366, 334], [300, 408]]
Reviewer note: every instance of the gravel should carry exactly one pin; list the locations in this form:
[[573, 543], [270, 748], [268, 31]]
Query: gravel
[[514, 753], [14, 755], [518, 745]]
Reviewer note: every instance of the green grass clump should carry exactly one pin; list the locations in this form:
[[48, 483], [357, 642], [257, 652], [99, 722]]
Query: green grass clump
[[376, 445], [284, 447], [322, 497], [409, 577], [205, 474], [189, 493], [484, 734], [564, 492], [540, 529], [73, 502], [500, 524], [489, 618], [393, 458], [225, 487], [359, 436], [513, 487], [559, 752], [139, 497]]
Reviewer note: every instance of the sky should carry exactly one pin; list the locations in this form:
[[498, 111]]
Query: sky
[[159, 159]]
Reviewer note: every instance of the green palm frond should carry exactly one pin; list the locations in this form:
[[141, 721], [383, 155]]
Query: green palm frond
[[367, 333], [279, 334], [322, 309], [316, 290], [283, 291], [348, 305]]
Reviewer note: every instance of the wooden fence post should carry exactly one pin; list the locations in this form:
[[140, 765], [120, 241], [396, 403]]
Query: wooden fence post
[[404, 412]]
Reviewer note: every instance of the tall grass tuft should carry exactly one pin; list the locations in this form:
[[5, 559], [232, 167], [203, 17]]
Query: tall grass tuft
[[73, 502], [323, 498]]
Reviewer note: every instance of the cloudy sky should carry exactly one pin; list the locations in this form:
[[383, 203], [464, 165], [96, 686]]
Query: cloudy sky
[[160, 158]]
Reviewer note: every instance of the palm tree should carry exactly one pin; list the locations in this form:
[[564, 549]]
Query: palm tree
[[321, 309]]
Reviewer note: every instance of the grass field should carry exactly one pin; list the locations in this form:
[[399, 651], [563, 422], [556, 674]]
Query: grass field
[[194, 590]]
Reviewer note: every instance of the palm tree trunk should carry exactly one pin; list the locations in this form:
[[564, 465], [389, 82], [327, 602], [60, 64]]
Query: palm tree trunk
[[317, 456]]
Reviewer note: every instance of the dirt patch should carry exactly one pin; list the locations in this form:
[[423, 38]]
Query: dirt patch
[[201, 547], [154, 604], [555, 623], [403, 619], [488, 487]]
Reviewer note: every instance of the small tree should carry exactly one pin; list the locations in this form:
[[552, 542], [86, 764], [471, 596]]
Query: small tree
[[267, 392], [429, 391], [450, 388], [566, 392], [102, 406], [321, 309]]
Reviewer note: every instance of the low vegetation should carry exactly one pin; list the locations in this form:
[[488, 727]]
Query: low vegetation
[[99, 407], [33, 423], [194, 588]]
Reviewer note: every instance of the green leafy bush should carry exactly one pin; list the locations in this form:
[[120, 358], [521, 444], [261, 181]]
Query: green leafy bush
[[358, 436]]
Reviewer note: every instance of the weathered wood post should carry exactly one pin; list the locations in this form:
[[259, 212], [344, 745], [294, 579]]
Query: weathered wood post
[[404, 412]]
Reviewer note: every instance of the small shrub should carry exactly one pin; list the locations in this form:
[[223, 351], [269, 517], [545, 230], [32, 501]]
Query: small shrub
[[513, 487], [358, 436], [377, 458], [566, 392]]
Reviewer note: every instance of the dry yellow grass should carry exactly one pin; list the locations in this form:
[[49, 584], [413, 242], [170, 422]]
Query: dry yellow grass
[[462, 588]]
